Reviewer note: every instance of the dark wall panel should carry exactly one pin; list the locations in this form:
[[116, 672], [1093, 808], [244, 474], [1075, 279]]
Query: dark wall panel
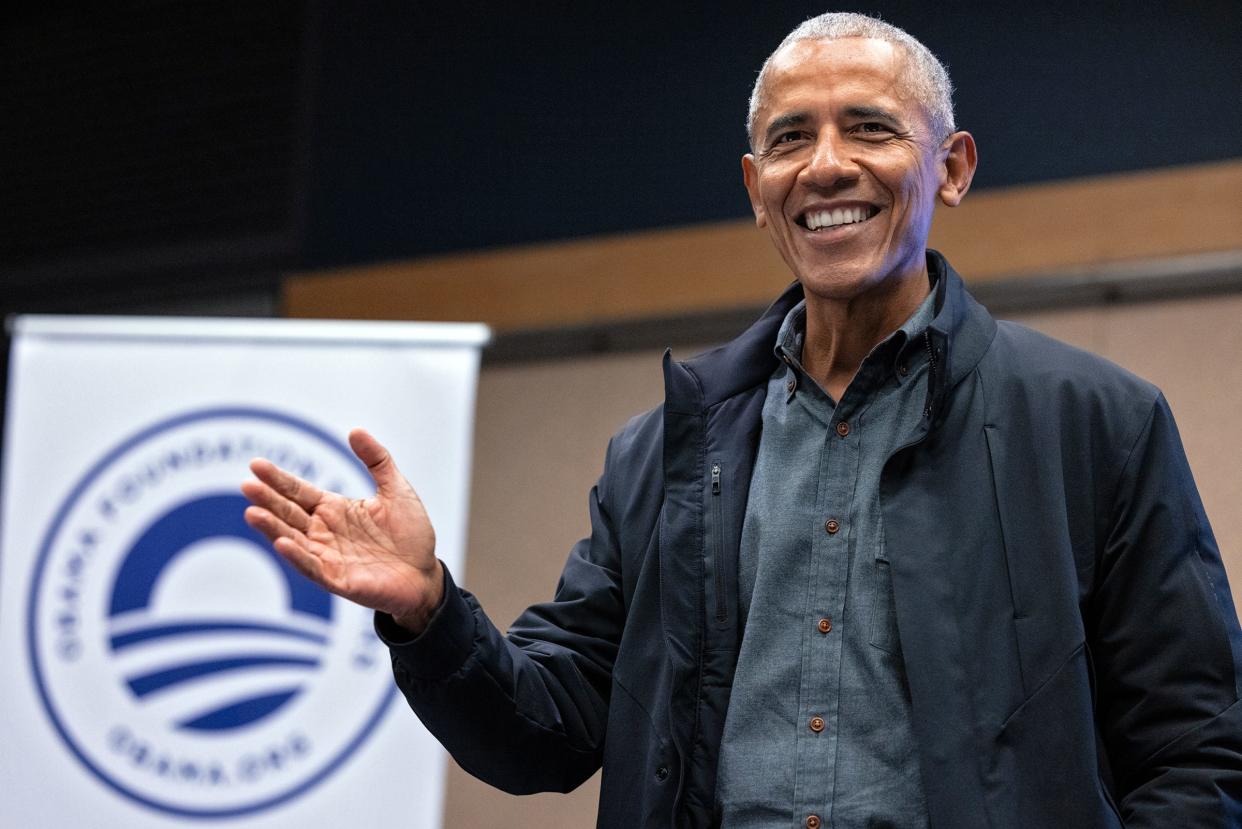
[[445, 127], [164, 146], [143, 143]]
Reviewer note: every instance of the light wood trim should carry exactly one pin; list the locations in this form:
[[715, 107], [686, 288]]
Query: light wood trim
[[994, 234], [565, 283], [1041, 228]]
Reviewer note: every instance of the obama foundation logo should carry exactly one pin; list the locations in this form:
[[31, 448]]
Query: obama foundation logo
[[183, 663]]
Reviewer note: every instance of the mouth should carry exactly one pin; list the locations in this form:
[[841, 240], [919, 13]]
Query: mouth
[[818, 220]]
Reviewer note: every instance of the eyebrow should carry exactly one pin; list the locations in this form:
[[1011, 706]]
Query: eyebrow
[[784, 122], [875, 113]]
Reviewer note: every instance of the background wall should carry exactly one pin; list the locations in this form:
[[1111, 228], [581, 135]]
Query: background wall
[[183, 149], [451, 127]]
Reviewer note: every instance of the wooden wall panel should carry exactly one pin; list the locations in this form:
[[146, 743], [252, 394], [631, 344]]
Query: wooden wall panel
[[1049, 227], [712, 267]]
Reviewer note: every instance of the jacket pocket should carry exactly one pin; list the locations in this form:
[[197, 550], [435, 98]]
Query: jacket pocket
[[883, 623], [641, 773], [717, 533], [1047, 745]]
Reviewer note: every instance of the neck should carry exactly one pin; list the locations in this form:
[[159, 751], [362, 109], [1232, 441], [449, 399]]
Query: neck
[[840, 333]]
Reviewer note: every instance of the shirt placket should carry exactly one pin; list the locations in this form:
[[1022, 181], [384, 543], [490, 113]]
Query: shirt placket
[[825, 618]]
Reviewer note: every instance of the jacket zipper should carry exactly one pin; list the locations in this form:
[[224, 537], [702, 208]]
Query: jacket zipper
[[722, 611], [932, 354]]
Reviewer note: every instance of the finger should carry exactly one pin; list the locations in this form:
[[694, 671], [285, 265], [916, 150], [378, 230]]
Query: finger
[[303, 493], [289, 544], [305, 562], [262, 495], [379, 463], [273, 528]]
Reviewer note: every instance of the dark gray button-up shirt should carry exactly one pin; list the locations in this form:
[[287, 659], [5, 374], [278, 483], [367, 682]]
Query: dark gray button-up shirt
[[819, 716]]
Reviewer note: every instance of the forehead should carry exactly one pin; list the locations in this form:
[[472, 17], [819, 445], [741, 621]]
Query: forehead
[[849, 70]]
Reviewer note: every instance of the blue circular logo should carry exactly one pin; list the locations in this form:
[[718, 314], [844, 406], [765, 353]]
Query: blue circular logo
[[183, 662]]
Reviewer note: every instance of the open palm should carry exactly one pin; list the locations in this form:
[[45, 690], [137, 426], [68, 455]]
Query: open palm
[[377, 551]]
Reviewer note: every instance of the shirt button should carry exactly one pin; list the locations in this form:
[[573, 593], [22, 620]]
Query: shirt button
[[843, 428], [903, 369], [817, 724], [812, 822], [825, 626], [662, 773], [790, 386], [831, 526]]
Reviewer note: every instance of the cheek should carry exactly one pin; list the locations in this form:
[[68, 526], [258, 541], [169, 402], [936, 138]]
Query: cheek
[[775, 184], [914, 195]]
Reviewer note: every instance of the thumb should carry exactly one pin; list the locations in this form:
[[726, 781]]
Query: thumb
[[378, 462]]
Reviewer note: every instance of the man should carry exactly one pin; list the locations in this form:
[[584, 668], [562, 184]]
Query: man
[[880, 561]]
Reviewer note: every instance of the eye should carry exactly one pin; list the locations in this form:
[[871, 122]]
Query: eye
[[874, 128], [787, 137]]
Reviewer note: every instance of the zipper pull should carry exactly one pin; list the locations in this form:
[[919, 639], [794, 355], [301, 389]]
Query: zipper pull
[[715, 479]]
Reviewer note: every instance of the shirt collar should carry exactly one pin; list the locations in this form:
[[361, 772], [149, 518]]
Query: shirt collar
[[792, 333]]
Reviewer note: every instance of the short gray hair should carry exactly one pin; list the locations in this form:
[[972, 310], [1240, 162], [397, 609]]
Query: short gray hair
[[925, 76]]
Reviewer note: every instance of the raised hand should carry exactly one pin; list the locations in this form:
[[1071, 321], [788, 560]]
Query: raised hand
[[377, 551]]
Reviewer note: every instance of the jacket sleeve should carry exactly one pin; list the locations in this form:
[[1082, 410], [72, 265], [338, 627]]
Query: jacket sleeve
[[1165, 644], [524, 712]]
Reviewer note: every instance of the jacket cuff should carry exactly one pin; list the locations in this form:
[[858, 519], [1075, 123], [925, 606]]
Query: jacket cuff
[[443, 646]]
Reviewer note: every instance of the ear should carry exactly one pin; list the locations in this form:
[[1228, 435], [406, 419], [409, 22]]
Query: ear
[[750, 178], [960, 160]]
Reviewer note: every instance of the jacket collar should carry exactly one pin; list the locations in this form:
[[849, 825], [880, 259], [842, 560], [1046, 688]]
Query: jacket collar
[[698, 384], [960, 320], [693, 386]]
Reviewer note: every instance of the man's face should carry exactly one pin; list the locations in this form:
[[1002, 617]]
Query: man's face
[[845, 171]]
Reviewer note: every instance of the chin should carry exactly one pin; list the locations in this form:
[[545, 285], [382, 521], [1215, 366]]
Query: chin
[[853, 278], [842, 282]]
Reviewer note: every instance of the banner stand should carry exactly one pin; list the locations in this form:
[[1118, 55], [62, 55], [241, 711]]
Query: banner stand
[[164, 667]]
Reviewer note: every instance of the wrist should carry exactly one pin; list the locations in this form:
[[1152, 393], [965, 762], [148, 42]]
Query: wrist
[[417, 619], [415, 623]]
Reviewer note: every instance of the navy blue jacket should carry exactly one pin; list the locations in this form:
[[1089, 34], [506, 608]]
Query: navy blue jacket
[[1070, 641]]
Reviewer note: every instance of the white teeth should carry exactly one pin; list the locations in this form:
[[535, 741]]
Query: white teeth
[[837, 216]]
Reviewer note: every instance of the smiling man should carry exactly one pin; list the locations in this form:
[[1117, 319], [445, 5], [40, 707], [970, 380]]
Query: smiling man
[[881, 561], [844, 176]]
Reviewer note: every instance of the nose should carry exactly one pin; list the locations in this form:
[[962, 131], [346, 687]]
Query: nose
[[830, 164]]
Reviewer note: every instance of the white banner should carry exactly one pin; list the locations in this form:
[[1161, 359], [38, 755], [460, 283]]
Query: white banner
[[162, 666]]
